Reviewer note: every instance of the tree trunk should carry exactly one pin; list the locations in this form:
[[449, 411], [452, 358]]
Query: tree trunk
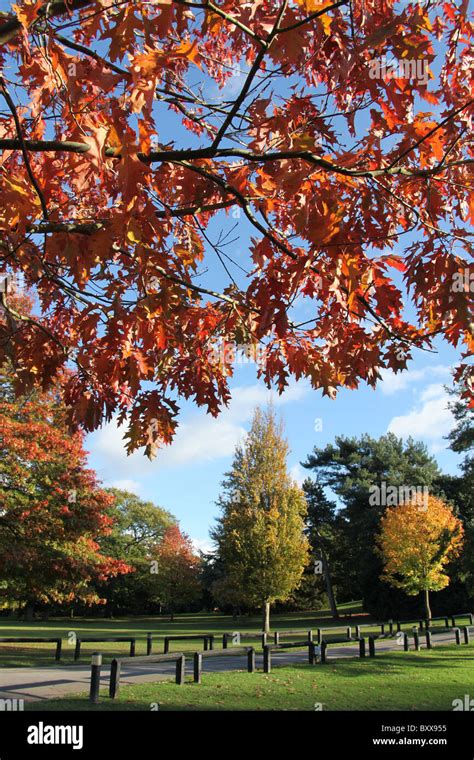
[[328, 579], [427, 604], [266, 617]]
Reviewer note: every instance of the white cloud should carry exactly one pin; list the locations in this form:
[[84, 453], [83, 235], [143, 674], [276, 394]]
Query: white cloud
[[430, 419], [394, 383], [201, 438], [203, 545], [298, 474], [133, 486]]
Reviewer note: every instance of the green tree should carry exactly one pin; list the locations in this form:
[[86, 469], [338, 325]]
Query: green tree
[[260, 534], [321, 531], [139, 528]]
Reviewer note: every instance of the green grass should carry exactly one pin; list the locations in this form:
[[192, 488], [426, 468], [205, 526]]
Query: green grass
[[425, 680], [18, 655]]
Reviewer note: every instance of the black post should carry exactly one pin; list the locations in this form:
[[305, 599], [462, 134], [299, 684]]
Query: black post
[[224, 641], [205, 643], [197, 668], [399, 626], [319, 634], [96, 664], [311, 653], [211, 641], [348, 632], [361, 647], [382, 627], [167, 645], [276, 638], [405, 642], [371, 646], [180, 666], [357, 630], [251, 660], [132, 648], [114, 684], [453, 621], [323, 651], [77, 651], [58, 649], [264, 640], [446, 622], [267, 659], [149, 643], [416, 639], [471, 619], [429, 644], [466, 634], [457, 636], [390, 627]]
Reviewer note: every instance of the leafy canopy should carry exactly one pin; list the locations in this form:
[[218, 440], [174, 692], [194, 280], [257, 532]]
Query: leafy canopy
[[122, 149]]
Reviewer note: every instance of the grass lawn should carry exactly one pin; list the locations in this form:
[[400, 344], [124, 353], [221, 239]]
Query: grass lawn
[[18, 655], [425, 680]]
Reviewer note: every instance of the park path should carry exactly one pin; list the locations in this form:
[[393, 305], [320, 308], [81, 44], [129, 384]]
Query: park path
[[37, 684]]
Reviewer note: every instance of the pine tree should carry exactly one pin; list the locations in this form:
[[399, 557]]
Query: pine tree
[[260, 534]]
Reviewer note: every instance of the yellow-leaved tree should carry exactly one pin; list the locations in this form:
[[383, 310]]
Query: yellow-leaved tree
[[416, 543], [260, 534]]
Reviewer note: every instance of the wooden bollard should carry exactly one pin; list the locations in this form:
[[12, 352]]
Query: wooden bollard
[[276, 637], [96, 664], [312, 653], [319, 635], [132, 648], [466, 634], [405, 642], [180, 669], [457, 636], [390, 627], [357, 631], [251, 660], [149, 643], [429, 644], [371, 646], [264, 640], [399, 626], [416, 639], [453, 621], [361, 647], [348, 632], [267, 659], [323, 651], [310, 635], [197, 667], [471, 619]]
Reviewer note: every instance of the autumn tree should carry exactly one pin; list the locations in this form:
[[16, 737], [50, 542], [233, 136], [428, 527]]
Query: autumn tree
[[52, 510], [175, 571], [135, 137], [416, 545], [260, 533]]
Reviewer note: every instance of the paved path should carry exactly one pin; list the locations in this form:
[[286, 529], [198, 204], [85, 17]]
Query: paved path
[[36, 684]]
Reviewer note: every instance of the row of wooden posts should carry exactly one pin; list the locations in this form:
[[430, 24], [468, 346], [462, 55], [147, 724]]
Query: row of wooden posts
[[315, 652]]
